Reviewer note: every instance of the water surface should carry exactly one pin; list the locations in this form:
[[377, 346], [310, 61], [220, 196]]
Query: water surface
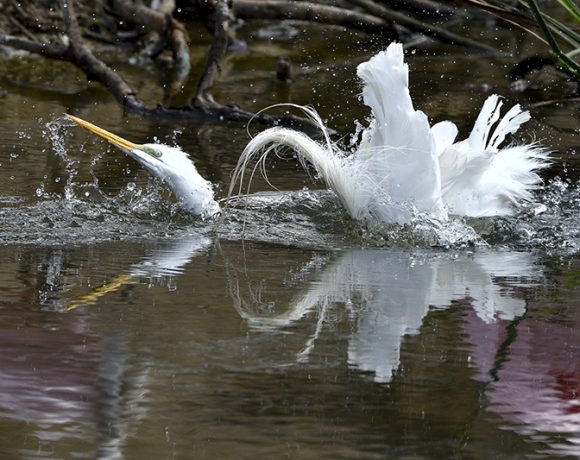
[[131, 330]]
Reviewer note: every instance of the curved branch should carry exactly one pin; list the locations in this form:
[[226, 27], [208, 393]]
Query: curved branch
[[49, 50], [94, 69], [430, 30], [313, 12]]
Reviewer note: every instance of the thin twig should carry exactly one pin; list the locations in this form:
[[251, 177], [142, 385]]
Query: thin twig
[[49, 50], [313, 12], [21, 28], [568, 63], [431, 30], [217, 51]]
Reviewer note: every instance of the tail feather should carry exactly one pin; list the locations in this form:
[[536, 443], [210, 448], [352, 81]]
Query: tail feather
[[509, 124], [484, 136], [487, 117], [479, 178], [506, 180]]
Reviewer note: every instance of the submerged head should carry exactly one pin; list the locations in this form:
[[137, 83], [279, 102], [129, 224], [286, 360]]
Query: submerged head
[[170, 164]]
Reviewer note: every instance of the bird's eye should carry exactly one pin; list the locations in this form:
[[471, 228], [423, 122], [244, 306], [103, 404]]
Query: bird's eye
[[151, 151]]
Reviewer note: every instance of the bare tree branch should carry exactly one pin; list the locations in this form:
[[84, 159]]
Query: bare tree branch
[[49, 50], [309, 11], [217, 51], [218, 13], [164, 24], [78, 54], [430, 30], [93, 68]]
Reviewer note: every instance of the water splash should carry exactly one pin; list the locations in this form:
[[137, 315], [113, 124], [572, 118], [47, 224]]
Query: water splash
[[314, 219], [309, 219], [83, 211], [551, 223], [55, 131]]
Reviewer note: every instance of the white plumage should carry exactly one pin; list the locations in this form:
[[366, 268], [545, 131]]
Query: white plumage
[[170, 164], [175, 168], [403, 165]]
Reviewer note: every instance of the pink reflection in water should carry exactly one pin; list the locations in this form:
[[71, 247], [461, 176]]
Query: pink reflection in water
[[535, 387], [48, 376]]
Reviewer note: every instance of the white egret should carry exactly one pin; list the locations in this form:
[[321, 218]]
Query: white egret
[[171, 165], [167, 260], [403, 164]]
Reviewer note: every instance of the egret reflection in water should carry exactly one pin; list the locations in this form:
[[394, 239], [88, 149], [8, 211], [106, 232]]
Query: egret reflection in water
[[72, 378], [385, 297], [526, 367], [388, 294], [168, 259]]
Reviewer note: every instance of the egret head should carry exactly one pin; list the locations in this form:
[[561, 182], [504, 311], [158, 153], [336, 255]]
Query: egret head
[[170, 164]]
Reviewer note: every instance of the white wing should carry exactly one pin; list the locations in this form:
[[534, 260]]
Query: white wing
[[398, 150], [478, 179]]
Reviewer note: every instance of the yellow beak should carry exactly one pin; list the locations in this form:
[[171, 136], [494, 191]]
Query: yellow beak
[[112, 138]]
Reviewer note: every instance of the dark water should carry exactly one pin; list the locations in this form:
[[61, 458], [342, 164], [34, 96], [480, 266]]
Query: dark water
[[131, 330]]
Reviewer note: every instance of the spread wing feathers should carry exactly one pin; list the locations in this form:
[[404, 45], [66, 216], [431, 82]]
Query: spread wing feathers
[[478, 179], [395, 167], [481, 138], [398, 148]]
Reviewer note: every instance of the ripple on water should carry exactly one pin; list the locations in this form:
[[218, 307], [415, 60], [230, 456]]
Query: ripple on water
[[89, 218], [305, 218], [84, 213]]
